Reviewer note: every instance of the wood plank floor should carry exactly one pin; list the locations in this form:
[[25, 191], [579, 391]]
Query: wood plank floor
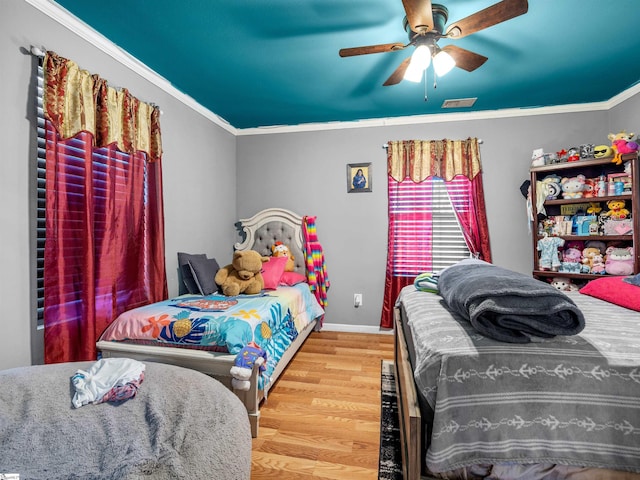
[[322, 418]]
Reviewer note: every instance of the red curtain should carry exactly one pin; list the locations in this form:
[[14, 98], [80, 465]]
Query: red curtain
[[418, 160], [104, 246], [473, 221], [393, 282], [104, 249]]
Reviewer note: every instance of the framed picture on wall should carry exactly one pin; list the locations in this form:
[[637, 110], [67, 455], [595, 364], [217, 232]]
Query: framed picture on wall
[[359, 177]]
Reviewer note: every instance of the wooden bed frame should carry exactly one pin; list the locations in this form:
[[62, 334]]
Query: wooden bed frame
[[260, 231], [411, 440]]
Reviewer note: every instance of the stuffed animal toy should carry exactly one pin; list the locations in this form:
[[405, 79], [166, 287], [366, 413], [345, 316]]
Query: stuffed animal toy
[[573, 187], [588, 255], [278, 249], [616, 210], [622, 143], [594, 208], [572, 255], [597, 264], [590, 188], [619, 261], [246, 358], [553, 186], [243, 274], [537, 158], [563, 284], [573, 154], [602, 151]]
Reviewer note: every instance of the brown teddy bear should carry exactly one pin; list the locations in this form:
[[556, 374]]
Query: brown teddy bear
[[243, 274], [278, 249]]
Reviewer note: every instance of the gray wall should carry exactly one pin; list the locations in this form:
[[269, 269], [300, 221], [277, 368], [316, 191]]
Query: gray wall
[[212, 177], [306, 172], [198, 166]]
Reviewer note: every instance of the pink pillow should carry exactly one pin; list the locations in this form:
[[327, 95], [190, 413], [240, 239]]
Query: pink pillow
[[614, 290], [292, 278], [272, 272]]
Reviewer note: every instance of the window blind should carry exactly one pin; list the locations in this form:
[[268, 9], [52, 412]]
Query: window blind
[[424, 225]]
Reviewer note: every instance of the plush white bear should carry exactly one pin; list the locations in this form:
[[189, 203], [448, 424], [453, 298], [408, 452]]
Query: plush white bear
[[573, 187]]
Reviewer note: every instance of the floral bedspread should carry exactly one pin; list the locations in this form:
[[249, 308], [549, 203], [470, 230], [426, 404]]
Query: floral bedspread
[[271, 320]]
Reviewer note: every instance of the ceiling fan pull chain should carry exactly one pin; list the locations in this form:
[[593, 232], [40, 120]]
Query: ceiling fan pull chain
[[426, 97]]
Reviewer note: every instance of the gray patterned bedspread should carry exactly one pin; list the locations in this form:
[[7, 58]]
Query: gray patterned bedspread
[[572, 400]]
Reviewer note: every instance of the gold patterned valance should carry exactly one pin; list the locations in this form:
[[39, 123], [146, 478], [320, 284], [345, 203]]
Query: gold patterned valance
[[421, 159], [76, 101]]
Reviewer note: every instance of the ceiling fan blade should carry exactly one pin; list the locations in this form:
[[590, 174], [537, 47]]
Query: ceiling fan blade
[[386, 47], [419, 15], [397, 76], [465, 59], [498, 13]]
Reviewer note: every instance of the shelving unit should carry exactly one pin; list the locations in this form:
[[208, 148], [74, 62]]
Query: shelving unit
[[590, 168]]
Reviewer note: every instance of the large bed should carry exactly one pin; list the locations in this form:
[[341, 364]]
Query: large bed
[[277, 320], [566, 406]]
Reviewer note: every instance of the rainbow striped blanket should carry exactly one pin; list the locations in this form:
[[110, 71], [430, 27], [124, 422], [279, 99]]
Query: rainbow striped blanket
[[317, 276]]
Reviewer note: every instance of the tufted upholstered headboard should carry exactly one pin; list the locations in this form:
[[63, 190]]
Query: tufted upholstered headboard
[[269, 226]]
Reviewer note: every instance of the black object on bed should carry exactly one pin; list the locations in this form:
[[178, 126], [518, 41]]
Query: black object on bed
[[181, 424], [506, 305]]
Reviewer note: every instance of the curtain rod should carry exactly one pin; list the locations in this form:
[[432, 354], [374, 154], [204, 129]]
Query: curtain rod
[[386, 145]]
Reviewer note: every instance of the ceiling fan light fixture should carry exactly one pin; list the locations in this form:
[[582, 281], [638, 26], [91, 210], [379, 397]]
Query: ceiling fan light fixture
[[413, 73], [420, 60], [421, 57], [443, 63]]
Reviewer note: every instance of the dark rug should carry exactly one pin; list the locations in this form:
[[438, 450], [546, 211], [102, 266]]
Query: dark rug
[[390, 463]]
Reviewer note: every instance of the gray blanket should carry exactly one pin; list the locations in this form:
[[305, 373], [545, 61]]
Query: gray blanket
[[181, 424], [506, 305]]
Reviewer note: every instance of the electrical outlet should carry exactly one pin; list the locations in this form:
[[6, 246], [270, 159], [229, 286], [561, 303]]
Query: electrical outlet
[[357, 300]]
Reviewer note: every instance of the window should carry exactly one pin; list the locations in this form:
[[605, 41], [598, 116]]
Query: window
[[433, 223], [425, 227], [107, 162]]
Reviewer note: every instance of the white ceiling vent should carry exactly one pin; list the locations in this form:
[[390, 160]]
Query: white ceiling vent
[[459, 102]]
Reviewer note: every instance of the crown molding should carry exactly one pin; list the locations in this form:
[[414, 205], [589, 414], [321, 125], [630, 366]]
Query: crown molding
[[449, 117]]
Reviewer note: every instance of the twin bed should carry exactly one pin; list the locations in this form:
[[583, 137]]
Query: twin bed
[[206, 333], [471, 406]]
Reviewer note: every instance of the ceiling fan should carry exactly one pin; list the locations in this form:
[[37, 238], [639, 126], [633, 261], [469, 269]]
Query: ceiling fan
[[425, 23]]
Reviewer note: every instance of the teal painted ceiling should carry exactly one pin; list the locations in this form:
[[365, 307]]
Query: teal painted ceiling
[[275, 62]]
